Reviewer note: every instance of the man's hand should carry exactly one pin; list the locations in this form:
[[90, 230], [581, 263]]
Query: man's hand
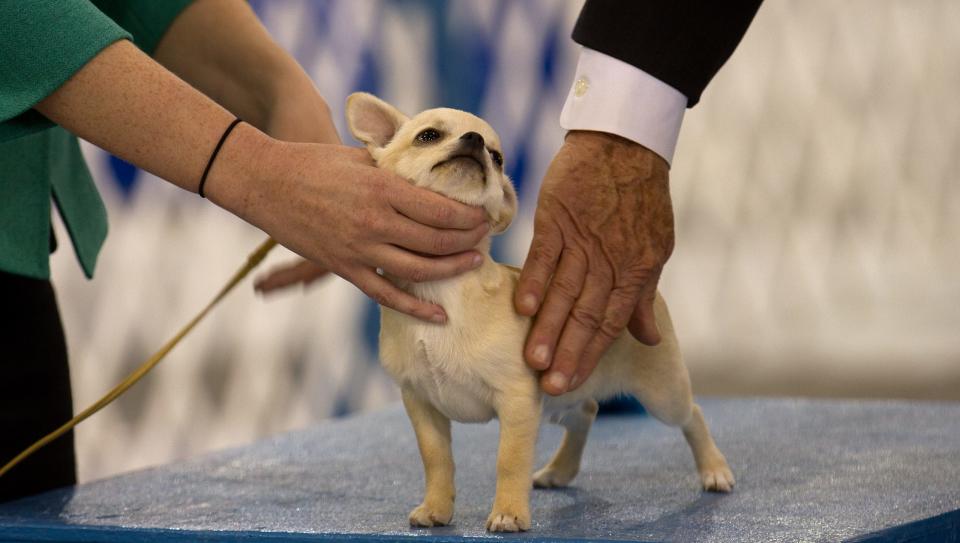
[[602, 233]]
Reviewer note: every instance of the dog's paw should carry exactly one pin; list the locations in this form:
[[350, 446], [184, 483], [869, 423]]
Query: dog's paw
[[426, 516], [719, 479], [504, 521], [550, 477]]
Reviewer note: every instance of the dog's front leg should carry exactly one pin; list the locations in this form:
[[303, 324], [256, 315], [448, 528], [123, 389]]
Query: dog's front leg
[[519, 414], [433, 437]]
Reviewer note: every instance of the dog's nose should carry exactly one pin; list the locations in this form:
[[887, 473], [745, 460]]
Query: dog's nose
[[472, 140]]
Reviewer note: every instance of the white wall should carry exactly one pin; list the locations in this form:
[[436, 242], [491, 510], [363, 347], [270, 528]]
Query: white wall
[[817, 220]]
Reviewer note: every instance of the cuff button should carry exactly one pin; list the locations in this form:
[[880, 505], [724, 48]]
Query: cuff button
[[581, 86]]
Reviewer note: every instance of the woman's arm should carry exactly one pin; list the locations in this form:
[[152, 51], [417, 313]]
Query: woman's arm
[[325, 202], [127, 104], [221, 48]]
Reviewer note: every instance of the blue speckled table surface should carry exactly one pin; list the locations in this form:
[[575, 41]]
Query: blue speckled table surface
[[806, 471]]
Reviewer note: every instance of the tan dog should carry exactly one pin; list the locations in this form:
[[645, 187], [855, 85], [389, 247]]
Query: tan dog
[[471, 369]]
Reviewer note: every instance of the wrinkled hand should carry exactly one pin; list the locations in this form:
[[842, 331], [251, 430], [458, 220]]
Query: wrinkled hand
[[331, 205], [602, 232]]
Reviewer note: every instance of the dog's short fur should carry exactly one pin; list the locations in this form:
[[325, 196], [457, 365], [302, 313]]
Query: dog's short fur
[[471, 369]]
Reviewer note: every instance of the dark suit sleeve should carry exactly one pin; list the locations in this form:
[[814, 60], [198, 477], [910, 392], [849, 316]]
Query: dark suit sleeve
[[680, 42]]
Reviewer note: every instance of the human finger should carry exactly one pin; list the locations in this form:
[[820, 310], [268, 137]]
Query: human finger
[[619, 309], [580, 328], [564, 290], [643, 322], [542, 258], [304, 272], [418, 269], [387, 294], [415, 236], [433, 209]]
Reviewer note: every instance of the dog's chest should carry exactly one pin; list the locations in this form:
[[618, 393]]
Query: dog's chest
[[443, 378], [453, 366]]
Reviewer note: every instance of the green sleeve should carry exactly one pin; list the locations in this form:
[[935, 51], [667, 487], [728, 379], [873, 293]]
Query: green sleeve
[[44, 42], [147, 20]]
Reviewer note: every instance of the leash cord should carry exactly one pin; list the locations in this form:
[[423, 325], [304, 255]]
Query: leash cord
[[252, 261]]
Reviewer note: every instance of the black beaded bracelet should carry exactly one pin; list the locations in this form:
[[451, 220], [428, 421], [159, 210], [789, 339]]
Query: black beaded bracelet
[[223, 138]]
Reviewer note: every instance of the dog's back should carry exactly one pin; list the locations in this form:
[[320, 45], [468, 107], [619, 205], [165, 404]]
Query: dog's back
[[480, 350]]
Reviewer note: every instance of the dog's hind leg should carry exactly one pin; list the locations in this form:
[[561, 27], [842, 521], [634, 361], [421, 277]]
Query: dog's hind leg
[[674, 406], [433, 437], [714, 472], [565, 464], [662, 384]]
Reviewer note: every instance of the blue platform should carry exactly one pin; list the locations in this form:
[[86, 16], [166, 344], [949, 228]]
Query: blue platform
[[806, 471]]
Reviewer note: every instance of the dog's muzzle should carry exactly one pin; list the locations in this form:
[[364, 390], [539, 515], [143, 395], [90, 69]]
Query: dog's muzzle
[[471, 146]]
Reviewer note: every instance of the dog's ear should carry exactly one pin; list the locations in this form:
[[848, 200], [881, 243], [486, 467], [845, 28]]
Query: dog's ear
[[509, 208], [371, 120]]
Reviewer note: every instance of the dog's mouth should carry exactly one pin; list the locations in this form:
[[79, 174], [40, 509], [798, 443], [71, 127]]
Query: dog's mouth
[[464, 156]]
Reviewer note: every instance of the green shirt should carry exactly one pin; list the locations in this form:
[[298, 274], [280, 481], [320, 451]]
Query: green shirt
[[42, 44]]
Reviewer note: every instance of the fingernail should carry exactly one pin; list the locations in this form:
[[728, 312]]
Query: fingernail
[[540, 355], [558, 381], [528, 302], [438, 318], [477, 260]]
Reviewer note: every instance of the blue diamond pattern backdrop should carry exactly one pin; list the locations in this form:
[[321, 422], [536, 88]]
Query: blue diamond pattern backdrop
[[817, 215]]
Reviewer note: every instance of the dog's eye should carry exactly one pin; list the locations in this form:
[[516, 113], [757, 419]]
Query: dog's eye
[[428, 135], [497, 158]]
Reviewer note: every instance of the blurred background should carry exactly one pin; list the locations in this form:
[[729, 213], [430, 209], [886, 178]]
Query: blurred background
[[815, 186]]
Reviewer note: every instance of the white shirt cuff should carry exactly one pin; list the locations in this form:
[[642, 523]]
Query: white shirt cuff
[[609, 95]]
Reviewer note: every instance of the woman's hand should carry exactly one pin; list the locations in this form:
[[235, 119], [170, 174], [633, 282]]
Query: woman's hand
[[404, 245], [331, 205], [328, 203]]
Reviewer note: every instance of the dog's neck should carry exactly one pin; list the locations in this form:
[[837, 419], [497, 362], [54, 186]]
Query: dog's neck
[[447, 292]]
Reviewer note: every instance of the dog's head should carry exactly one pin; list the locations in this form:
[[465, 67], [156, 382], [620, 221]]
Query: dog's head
[[445, 150]]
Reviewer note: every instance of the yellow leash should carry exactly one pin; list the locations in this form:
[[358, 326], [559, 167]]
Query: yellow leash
[[252, 261]]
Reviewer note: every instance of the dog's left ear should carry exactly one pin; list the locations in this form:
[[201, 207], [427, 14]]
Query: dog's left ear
[[373, 121], [509, 208]]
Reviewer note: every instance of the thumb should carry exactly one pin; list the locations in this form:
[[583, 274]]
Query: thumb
[[643, 322]]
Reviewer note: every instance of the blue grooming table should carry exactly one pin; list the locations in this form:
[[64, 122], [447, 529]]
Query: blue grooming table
[[807, 470]]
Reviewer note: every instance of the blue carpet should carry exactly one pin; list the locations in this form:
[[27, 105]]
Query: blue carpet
[[806, 471]]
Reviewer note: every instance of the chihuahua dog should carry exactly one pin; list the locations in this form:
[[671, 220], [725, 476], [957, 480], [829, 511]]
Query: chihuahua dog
[[471, 368]]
